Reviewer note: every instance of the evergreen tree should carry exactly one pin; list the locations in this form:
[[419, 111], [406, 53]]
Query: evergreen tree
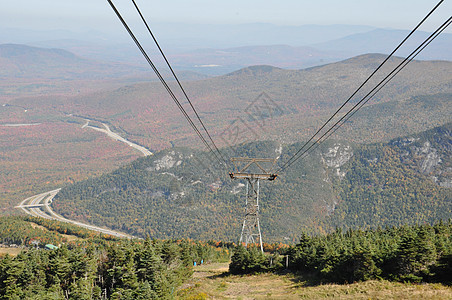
[[238, 263]]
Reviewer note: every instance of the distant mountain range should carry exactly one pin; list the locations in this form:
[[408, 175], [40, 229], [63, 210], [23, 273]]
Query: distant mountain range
[[182, 37], [385, 40], [219, 61], [220, 49], [22, 61]]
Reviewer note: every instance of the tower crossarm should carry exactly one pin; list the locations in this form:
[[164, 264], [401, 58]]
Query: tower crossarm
[[238, 175], [243, 167]]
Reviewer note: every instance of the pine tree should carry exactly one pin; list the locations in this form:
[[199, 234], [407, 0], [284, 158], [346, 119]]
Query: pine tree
[[238, 260], [363, 265], [426, 250]]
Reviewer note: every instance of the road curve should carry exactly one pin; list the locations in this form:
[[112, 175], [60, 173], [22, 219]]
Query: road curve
[[117, 137], [32, 206], [39, 205]]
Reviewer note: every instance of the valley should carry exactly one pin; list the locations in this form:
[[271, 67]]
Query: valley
[[339, 185], [68, 148]]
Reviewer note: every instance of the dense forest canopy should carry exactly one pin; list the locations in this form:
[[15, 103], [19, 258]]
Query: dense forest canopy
[[92, 266], [182, 192]]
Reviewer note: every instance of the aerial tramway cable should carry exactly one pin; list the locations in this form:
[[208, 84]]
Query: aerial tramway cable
[[162, 80], [294, 157], [401, 66], [370, 95], [178, 82], [217, 154]]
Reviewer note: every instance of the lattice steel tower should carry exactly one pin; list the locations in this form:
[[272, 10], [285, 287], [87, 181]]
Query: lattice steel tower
[[253, 170]]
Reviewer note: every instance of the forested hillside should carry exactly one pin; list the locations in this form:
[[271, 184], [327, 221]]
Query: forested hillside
[[261, 102], [90, 266], [405, 181], [182, 193]]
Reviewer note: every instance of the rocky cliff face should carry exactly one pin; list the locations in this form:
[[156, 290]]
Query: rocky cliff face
[[336, 156], [430, 153], [167, 161]]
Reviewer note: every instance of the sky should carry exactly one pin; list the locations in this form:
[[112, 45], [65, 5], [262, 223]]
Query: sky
[[82, 15]]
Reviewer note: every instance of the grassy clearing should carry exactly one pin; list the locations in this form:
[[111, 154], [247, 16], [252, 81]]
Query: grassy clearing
[[375, 289], [10, 251], [213, 282]]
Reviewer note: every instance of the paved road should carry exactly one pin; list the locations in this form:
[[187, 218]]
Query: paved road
[[31, 205], [39, 205], [117, 137], [20, 125], [34, 204]]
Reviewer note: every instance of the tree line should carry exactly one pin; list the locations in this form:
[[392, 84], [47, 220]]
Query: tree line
[[417, 253], [96, 267]]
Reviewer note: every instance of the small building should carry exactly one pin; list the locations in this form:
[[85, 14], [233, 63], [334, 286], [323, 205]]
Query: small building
[[51, 247]]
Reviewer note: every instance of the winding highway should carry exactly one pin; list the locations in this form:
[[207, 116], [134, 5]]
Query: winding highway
[[39, 206], [117, 137]]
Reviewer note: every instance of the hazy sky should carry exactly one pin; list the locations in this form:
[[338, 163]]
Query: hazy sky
[[79, 15]]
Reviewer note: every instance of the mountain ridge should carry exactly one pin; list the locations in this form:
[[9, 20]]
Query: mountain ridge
[[301, 97], [292, 104], [30, 62], [384, 41], [24, 61], [167, 196]]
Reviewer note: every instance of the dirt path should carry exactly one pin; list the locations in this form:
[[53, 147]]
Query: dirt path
[[211, 281]]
